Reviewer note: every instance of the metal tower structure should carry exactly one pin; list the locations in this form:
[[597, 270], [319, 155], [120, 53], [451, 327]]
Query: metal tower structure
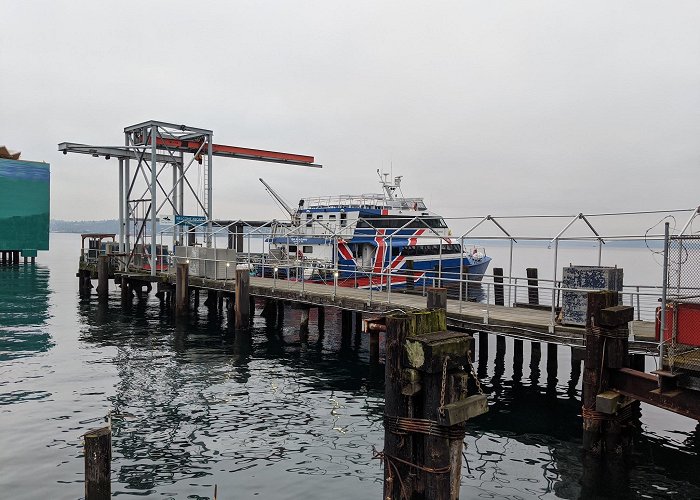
[[161, 165]]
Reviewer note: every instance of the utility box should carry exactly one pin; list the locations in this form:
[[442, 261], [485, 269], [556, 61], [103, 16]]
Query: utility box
[[574, 304]]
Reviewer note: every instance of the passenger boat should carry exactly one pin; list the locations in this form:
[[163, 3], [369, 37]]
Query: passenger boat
[[369, 240]]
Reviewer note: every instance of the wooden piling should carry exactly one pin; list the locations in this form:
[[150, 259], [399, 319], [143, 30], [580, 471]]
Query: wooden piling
[[498, 294], [125, 293], [373, 346], [321, 322], [533, 293], [399, 406], [84, 283], [251, 306], [304, 321], [552, 369], [535, 358], [182, 294], [345, 322], [242, 298], [280, 314], [517, 360], [98, 461], [606, 350], [437, 298], [358, 322], [425, 384]]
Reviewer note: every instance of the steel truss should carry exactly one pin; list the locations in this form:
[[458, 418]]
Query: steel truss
[[156, 176]]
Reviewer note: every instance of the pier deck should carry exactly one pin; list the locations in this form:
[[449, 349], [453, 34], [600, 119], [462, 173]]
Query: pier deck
[[529, 324]]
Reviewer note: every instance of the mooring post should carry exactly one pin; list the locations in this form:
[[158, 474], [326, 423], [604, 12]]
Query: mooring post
[[98, 461], [396, 406], [499, 296], [606, 349], [182, 294], [437, 298], [425, 406], [533, 293], [242, 298]]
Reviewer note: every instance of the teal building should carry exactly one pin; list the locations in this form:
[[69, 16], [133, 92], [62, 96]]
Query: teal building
[[24, 206]]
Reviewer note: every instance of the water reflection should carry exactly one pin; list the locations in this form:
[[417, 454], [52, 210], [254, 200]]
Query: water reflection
[[206, 401], [24, 311], [529, 443]]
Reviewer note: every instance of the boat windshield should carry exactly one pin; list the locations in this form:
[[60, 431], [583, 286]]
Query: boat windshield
[[397, 222]]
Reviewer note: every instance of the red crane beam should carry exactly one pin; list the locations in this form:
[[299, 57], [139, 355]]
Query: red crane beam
[[237, 152]]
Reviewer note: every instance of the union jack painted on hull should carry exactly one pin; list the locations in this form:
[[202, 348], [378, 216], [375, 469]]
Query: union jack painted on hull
[[371, 241]]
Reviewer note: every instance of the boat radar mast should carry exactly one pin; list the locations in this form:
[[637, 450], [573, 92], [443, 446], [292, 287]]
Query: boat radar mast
[[389, 188]]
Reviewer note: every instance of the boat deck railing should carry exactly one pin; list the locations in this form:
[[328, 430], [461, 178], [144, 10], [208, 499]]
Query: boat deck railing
[[370, 201]]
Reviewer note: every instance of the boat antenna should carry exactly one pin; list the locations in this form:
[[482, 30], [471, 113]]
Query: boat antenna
[[277, 198], [388, 187]]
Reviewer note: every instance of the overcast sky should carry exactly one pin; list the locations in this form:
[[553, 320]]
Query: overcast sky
[[483, 107]]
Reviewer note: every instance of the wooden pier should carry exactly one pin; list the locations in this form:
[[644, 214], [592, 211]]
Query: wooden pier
[[519, 322]]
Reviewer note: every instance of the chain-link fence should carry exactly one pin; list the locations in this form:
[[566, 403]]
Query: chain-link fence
[[682, 319]]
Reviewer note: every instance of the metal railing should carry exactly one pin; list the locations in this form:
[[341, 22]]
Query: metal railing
[[380, 281]]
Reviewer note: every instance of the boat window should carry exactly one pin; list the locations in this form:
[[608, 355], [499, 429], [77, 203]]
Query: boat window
[[343, 219], [308, 249], [331, 217], [319, 217], [308, 216], [292, 249]]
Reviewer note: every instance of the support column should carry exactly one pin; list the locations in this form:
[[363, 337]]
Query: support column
[[182, 294], [103, 277], [517, 360], [98, 461], [345, 322], [242, 298], [304, 322], [280, 314], [321, 318]]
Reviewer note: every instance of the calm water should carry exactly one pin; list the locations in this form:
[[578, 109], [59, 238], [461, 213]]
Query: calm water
[[266, 415]]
